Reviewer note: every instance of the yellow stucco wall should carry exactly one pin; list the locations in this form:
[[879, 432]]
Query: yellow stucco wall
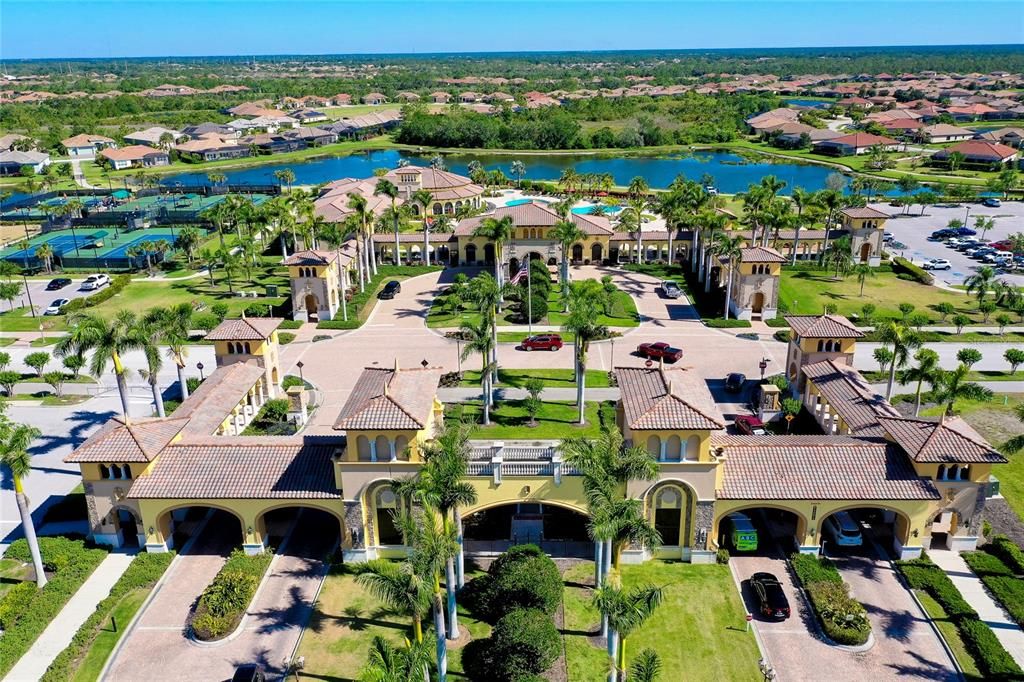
[[774, 269], [809, 344]]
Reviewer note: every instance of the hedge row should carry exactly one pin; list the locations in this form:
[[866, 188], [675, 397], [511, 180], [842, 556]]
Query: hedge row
[[523, 577], [113, 289], [905, 267], [291, 324], [1004, 548], [143, 573], [72, 563], [842, 618], [721, 323], [225, 600], [1007, 588], [988, 653]]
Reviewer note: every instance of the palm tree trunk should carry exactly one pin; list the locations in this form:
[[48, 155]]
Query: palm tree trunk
[[671, 254], [122, 389], [460, 562], [598, 546], [449, 579], [796, 244], [30, 532], [917, 398], [728, 293], [486, 386], [284, 244], [613, 655], [621, 664], [182, 383], [442, 645], [607, 559], [892, 378], [157, 398], [359, 265], [581, 383]]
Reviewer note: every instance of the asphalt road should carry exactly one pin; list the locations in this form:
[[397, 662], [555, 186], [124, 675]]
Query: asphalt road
[[41, 298]]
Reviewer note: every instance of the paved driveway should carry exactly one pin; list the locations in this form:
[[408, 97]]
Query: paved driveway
[[905, 645]]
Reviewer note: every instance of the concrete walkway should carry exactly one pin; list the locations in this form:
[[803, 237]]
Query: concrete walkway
[[59, 633], [972, 589]]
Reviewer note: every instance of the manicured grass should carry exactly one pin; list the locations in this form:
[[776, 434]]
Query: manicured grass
[[33, 378], [950, 634], [805, 292], [44, 341], [996, 421], [50, 400], [983, 375], [107, 639], [11, 573], [21, 320], [554, 378], [623, 313], [699, 630], [6, 341], [556, 420]]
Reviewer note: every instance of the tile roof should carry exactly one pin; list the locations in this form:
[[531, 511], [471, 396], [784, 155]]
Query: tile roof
[[818, 468], [979, 149], [860, 140], [292, 470], [390, 399], [433, 178], [537, 214], [84, 140], [311, 257], [850, 396], [245, 328], [940, 440], [864, 212], [139, 441], [824, 326], [761, 254], [666, 399], [212, 402]]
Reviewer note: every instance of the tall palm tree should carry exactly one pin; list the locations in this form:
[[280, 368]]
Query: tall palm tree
[[981, 283], [712, 224], [519, 170], [15, 440], [108, 341], [387, 662], [926, 370], [903, 340], [638, 190], [486, 293], [499, 231], [285, 176], [953, 385], [151, 331], [478, 339], [831, 200], [388, 189], [730, 248], [566, 233], [569, 179], [585, 307], [44, 252], [627, 610], [399, 586], [176, 322], [422, 198], [863, 271], [364, 218]]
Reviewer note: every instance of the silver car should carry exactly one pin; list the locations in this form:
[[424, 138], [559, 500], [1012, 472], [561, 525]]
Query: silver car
[[670, 289]]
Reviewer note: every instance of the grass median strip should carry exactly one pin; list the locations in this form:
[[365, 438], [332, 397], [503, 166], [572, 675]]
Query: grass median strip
[[552, 378], [509, 419]]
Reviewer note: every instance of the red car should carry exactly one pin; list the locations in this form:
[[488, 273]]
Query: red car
[[542, 342], [751, 426], [660, 350]]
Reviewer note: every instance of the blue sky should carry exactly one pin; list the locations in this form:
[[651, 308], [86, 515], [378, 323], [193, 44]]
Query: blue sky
[[126, 28]]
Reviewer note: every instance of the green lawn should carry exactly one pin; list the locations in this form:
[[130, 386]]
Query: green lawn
[[997, 422], [553, 378], [983, 375], [517, 337], [804, 292], [556, 420], [699, 630], [12, 572], [48, 399], [951, 635], [363, 303], [623, 313], [6, 341], [97, 654]]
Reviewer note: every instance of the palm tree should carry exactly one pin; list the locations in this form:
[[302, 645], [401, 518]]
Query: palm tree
[[499, 231], [176, 322], [646, 667], [863, 271], [927, 369], [477, 338], [388, 189], [729, 247], [285, 176], [952, 385], [711, 225], [399, 586], [44, 252], [585, 307], [566, 233], [981, 283], [638, 190], [519, 170], [387, 662], [363, 217], [187, 239], [229, 262], [627, 610], [422, 198], [569, 179], [831, 200], [151, 331], [903, 340], [108, 341], [216, 178], [15, 440]]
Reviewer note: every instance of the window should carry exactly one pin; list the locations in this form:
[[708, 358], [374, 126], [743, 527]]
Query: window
[[115, 472], [654, 446], [674, 449], [385, 506], [668, 515], [248, 350]]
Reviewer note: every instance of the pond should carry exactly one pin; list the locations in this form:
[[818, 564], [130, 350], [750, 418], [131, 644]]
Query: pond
[[732, 173]]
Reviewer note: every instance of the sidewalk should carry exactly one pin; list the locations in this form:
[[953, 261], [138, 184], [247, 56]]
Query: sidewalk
[[59, 633], [972, 589]]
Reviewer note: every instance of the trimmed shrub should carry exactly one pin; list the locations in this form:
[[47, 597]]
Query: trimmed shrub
[[204, 321], [720, 323], [117, 284], [285, 337], [810, 569], [536, 309], [524, 577], [902, 266], [1004, 548], [778, 322], [291, 324], [842, 617], [291, 380], [257, 310], [224, 601], [15, 602], [722, 556], [220, 310], [782, 335], [524, 642]]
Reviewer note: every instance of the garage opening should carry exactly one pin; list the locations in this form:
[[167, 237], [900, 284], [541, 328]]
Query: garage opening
[[558, 531], [211, 530], [865, 531], [761, 531], [300, 531]]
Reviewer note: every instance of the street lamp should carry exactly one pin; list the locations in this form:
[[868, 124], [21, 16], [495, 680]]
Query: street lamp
[[763, 365], [300, 365], [199, 366]]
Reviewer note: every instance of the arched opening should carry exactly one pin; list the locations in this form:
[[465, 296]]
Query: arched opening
[[383, 447], [385, 505], [757, 303], [793, 372], [311, 532], [674, 449], [577, 252], [654, 446], [760, 529], [692, 448], [670, 509], [437, 210], [129, 527], [489, 253], [865, 252], [470, 254], [945, 525], [402, 448], [859, 530], [215, 530], [559, 531], [312, 306], [449, 208], [363, 451], [596, 253]]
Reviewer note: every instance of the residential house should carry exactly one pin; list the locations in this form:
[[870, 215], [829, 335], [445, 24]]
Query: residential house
[[201, 129], [1011, 137], [440, 97], [342, 100], [944, 132], [307, 116], [408, 97], [212, 147], [374, 98], [979, 152], [10, 141], [366, 125], [153, 136], [855, 143], [12, 161], [86, 146], [136, 156]]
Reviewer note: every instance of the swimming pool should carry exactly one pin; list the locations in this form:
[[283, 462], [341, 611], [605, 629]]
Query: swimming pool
[[590, 209], [520, 202]]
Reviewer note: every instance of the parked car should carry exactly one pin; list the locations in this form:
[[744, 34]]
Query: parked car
[[1002, 245], [965, 231], [937, 264], [998, 257], [740, 532], [58, 283], [93, 282], [250, 672], [844, 530], [992, 202], [968, 242], [660, 350], [55, 307], [939, 235], [771, 599], [887, 237], [734, 382], [670, 289], [750, 426], [979, 252], [389, 290], [542, 342]]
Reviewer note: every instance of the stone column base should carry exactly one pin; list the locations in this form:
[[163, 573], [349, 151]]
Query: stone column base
[[962, 543], [703, 556], [907, 553], [109, 539], [634, 556], [875, 261], [300, 315], [254, 548], [769, 313], [810, 549], [156, 547]]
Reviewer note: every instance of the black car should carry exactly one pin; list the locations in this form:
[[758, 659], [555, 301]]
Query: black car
[[58, 283], [249, 672], [771, 600], [389, 290], [734, 382]]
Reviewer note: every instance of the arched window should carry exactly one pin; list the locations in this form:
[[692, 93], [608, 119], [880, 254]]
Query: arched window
[[127, 470], [248, 349], [437, 209], [104, 471], [674, 449], [383, 446], [693, 448], [471, 253], [402, 448], [963, 473], [821, 345], [941, 475], [668, 515], [385, 504], [654, 446], [448, 208], [115, 471], [363, 448]]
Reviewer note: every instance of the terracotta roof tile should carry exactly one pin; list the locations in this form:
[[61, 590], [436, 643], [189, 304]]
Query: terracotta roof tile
[[946, 440], [311, 257], [761, 254], [666, 399], [140, 441], [864, 212], [245, 329], [850, 396], [824, 327], [390, 399], [536, 214]]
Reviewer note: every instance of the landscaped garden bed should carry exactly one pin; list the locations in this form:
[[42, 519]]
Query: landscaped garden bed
[[225, 600], [842, 618], [1000, 566], [552, 378], [510, 419], [363, 302]]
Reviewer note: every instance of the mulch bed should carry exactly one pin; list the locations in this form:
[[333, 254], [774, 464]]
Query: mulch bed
[[1004, 520]]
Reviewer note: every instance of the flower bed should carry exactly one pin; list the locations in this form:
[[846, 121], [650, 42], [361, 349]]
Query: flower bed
[[842, 618], [225, 600]]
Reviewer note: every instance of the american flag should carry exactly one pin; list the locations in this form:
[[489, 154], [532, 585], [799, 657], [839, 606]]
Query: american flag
[[523, 272]]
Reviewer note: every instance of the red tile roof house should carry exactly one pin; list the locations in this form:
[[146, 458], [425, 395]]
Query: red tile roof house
[[86, 146], [374, 98], [857, 143], [944, 132], [136, 156], [342, 100], [979, 152]]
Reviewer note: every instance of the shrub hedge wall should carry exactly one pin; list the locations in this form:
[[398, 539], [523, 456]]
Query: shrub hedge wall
[[224, 601]]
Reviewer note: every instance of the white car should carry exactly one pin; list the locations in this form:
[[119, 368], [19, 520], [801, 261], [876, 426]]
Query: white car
[[938, 264], [887, 237], [55, 307], [998, 257], [95, 282], [844, 530]]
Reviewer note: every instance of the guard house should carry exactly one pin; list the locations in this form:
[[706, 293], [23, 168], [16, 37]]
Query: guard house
[[866, 227], [815, 338], [755, 283], [318, 281], [250, 340]]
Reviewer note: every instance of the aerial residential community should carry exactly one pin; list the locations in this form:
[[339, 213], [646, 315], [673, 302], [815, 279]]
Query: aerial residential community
[[657, 359]]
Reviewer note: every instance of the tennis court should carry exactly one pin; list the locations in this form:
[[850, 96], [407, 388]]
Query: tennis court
[[121, 250], [62, 245], [104, 249]]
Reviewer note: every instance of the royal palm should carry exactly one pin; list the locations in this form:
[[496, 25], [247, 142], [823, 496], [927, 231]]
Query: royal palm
[[108, 340], [15, 440]]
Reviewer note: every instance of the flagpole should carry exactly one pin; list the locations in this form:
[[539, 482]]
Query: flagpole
[[529, 299]]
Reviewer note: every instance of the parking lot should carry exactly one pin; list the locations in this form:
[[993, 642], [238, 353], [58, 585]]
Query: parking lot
[[913, 230], [41, 298]]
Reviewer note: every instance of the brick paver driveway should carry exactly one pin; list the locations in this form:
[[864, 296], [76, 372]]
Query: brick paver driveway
[[905, 647], [158, 649]]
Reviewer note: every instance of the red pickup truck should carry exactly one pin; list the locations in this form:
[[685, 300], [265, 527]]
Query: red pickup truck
[[660, 350]]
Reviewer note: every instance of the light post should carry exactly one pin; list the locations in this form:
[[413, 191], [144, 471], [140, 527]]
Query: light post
[[300, 365], [202, 377], [613, 353], [763, 365]]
